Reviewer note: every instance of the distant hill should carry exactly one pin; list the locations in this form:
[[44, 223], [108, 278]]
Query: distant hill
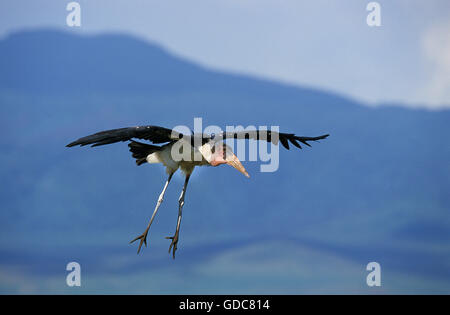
[[376, 190]]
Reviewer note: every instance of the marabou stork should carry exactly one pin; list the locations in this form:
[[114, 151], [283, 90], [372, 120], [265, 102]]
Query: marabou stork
[[211, 148]]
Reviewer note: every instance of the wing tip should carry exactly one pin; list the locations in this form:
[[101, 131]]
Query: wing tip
[[75, 143]]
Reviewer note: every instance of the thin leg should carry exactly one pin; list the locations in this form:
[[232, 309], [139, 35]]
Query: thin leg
[[143, 236], [174, 238]]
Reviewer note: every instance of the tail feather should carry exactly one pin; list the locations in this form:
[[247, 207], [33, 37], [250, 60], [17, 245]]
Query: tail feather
[[140, 151]]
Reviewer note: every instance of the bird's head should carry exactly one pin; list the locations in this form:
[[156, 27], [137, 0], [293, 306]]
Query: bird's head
[[219, 153]]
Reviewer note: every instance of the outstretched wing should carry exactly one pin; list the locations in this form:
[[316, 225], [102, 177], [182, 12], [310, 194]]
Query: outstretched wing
[[272, 136], [154, 134]]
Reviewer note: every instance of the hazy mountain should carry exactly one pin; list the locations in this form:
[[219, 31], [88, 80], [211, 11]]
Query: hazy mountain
[[376, 190]]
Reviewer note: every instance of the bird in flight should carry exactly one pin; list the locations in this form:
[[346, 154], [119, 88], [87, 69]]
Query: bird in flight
[[184, 151]]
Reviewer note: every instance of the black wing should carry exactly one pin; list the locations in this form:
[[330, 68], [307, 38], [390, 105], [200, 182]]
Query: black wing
[[272, 136], [154, 134]]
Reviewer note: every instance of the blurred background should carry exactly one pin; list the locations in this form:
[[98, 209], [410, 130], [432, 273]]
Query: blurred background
[[376, 190]]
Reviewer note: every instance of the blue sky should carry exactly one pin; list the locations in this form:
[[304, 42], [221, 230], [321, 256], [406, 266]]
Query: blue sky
[[323, 44]]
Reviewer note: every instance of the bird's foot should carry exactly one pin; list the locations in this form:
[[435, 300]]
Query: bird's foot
[[173, 245], [143, 238]]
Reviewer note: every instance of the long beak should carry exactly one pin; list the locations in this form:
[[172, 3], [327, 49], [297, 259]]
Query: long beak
[[232, 160]]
